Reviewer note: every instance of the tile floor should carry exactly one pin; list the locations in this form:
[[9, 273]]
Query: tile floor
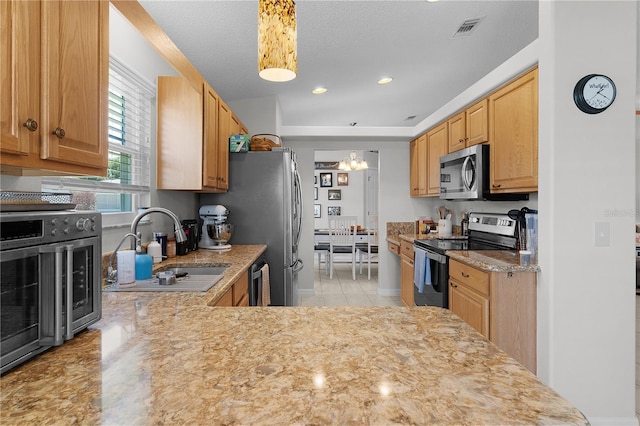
[[342, 290]]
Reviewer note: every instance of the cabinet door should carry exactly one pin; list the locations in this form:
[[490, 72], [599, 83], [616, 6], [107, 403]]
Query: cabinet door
[[471, 307], [226, 300], [413, 168], [437, 145], [75, 78], [422, 165], [457, 132], [179, 146], [477, 117], [210, 160], [224, 131], [241, 290], [19, 77], [406, 281], [513, 132]]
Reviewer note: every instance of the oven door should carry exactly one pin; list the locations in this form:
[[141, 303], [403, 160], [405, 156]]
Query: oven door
[[19, 306], [71, 293], [436, 294]]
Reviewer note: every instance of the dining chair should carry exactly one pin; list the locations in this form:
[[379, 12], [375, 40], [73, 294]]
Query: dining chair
[[371, 247], [342, 240]]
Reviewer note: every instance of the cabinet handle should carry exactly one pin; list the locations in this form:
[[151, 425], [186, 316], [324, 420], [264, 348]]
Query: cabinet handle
[[59, 132], [453, 285], [465, 275], [461, 140], [31, 124], [497, 186]]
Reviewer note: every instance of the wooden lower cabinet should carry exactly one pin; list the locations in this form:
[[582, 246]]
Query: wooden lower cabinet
[[500, 305], [238, 293], [406, 273]]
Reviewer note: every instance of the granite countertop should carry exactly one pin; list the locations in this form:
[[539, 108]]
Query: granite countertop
[[154, 359], [487, 260], [238, 259]]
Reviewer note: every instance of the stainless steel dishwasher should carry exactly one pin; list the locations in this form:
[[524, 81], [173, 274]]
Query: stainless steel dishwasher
[[255, 282]]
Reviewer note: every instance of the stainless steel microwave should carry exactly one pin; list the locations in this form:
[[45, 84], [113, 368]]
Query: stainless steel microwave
[[464, 174]]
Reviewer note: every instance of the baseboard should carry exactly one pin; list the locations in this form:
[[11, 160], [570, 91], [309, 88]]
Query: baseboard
[[388, 292], [613, 421]]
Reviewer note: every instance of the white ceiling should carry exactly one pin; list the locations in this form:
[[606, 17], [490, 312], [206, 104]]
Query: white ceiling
[[347, 46]]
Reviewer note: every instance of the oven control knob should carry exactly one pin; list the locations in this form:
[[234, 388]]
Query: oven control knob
[[53, 232], [65, 231], [54, 222], [83, 224]]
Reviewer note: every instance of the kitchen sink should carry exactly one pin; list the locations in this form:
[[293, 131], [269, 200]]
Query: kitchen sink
[[193, 279]]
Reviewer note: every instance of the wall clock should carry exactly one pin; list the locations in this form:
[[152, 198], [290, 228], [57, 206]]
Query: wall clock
[[594, 93]]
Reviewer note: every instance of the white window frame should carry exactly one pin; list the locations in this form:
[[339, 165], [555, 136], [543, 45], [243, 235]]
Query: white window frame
[[141, 189]]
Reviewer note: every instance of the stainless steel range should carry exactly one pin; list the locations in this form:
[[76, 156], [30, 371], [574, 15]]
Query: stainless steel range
[[487, 231]]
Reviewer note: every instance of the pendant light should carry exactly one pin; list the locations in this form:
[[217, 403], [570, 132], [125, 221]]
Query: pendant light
[[353, 163], [277, 40]]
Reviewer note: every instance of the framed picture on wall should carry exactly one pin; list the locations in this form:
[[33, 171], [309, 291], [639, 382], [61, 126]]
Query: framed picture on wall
[[335, 194], [326, 180], [333, 211], [317, 210], [343, 179], [315, 192]]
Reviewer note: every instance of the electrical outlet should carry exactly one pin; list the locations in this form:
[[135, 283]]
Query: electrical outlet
[[602, 234]]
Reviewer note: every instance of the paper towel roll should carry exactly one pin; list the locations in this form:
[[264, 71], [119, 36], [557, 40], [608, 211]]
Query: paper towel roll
[[126, 264]]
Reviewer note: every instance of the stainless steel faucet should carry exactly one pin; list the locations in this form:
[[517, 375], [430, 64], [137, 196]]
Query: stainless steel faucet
[[181, 237]]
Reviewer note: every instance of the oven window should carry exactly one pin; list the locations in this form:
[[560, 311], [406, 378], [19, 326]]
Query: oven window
[[19, 302]]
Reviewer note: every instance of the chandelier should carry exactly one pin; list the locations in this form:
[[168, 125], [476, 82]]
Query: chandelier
[[352, 163], [277, 40]]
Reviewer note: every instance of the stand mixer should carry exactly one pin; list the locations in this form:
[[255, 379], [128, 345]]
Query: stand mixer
[[215, 229]]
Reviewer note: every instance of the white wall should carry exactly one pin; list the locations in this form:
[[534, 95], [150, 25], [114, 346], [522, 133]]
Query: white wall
[[587, 175]]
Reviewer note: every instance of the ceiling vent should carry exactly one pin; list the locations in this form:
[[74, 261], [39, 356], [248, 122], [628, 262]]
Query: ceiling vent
[[467, 27]]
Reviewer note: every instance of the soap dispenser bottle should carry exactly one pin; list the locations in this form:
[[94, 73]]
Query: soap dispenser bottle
[[144, 264], [464, 224]]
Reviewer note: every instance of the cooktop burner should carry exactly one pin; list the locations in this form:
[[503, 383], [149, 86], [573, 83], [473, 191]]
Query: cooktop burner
[[444, 245]]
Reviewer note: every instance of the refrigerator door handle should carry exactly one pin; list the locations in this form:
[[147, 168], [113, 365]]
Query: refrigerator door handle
[[297, 207], [297, 266]]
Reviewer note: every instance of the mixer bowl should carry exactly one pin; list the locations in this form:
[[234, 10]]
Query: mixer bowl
[[220, 233]]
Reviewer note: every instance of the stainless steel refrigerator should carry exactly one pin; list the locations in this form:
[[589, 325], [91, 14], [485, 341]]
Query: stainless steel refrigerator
[[265, 207]]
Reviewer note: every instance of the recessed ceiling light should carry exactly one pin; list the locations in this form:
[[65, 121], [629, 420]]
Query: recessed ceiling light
[[319, 90], [385, 80]]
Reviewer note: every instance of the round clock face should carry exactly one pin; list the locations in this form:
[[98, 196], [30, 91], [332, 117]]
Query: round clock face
[[594, 93]]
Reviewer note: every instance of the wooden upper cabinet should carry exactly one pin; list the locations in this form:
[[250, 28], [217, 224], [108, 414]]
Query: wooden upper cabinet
[[210, 165], [413, 168], [422, 165], [469, 127], [55, 76], [437, 146], [513, 133], [179, 145], [457, 132], [224, 131], [477, 123]]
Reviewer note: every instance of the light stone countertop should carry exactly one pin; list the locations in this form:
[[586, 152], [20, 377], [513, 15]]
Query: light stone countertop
[[238, 259], [160, 360]]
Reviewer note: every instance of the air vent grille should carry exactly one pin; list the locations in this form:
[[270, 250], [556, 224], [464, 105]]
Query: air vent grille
[[467, 27]]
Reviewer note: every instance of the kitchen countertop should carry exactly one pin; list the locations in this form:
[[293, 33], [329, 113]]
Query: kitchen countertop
[[487, 260], [160, 359], [238, 259]]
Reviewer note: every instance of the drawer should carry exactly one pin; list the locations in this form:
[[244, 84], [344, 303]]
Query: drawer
[[406, 249], [469, 276], [394, 248]]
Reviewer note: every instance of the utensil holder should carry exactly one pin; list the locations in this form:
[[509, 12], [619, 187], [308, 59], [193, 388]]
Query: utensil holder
[[445, 227]]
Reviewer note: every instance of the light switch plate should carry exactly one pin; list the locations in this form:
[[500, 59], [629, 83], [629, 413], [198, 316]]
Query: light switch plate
[[602, 234]]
